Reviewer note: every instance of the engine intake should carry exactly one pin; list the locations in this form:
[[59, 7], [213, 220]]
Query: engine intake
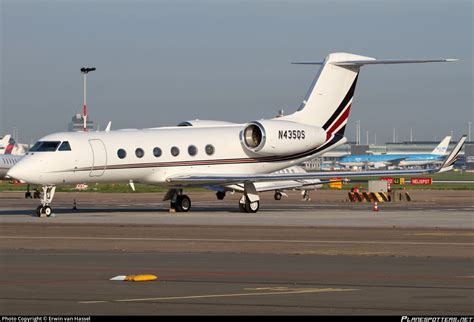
[[254, 136]]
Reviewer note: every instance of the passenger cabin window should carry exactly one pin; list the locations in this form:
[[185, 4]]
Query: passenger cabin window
[[174, 151], [64, 146], [157, 152], [45, 146], [209, 149], [121, 153], [192, 150], [139, 153]]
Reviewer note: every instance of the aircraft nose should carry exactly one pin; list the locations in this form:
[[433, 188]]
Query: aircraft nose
[[13, 173], [19, 171]]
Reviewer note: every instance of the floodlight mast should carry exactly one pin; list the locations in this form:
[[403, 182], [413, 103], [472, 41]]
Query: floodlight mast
[[85, 71]]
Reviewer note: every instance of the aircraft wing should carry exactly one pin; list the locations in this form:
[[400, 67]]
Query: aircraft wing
[[221, 179], [287, 185], [202, 179]]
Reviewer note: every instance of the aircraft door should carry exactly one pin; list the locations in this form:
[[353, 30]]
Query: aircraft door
[[99, 158]]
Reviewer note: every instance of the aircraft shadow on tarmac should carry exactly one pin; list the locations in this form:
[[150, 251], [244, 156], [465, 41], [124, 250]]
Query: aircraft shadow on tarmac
[[69, 211]]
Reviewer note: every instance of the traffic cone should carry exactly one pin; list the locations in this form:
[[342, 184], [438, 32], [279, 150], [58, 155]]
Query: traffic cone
[[376, 207]]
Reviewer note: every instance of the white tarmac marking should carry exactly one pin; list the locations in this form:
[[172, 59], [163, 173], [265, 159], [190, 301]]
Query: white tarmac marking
[[220, 240], [276, 291]]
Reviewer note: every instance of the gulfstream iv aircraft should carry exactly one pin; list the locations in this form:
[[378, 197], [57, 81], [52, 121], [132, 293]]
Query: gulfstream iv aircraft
[[214, 153]]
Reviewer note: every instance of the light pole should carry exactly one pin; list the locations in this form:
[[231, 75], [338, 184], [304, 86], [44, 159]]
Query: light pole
[[85, 71], [357, 132], [469, 131]]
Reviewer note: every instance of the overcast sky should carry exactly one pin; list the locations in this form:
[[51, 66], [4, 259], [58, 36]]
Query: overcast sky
[[161, 62]]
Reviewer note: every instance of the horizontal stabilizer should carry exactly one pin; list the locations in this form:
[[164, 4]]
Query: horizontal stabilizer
[[374, 61], [308, 63], [390, 61]]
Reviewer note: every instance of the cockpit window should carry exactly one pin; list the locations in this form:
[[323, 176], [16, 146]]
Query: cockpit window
[[35, 147], [65, 146], [45, 146]]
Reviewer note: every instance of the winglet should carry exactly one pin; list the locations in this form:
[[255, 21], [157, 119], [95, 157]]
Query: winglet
[[453, 156], [109, 125]]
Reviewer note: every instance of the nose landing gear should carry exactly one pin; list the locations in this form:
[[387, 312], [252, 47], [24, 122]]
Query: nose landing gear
[[46, 199]]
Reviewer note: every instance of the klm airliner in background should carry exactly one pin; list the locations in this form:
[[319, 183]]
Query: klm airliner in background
[[384, 160]]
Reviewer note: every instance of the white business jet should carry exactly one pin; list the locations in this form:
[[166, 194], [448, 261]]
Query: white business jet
[[217, 154]]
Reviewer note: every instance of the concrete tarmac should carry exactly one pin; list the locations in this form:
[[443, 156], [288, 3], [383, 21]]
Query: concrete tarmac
[[322, 257]]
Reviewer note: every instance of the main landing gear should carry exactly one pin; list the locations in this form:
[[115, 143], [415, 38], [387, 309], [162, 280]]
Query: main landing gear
[[220, 195], [178, 201], [250, 201], [306, 196], [46, 199], [278, 195], [28, 195], [245, 205]]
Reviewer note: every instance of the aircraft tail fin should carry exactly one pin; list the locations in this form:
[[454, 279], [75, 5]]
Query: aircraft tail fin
[[329, 99], [5, 145], [448, 163], [442, 147]]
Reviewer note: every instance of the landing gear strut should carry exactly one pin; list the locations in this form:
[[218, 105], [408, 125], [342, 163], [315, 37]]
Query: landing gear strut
[[250, 201], [306, 196], [46, 199], [28, 193], [220, 195], [178, 201], [278, 195], [245, 205]]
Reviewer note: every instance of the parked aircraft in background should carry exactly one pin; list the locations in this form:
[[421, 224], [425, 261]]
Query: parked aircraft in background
[[5, 145], [7, 161], [10, 154], [385, 160], [184, 156], [9, 146]]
